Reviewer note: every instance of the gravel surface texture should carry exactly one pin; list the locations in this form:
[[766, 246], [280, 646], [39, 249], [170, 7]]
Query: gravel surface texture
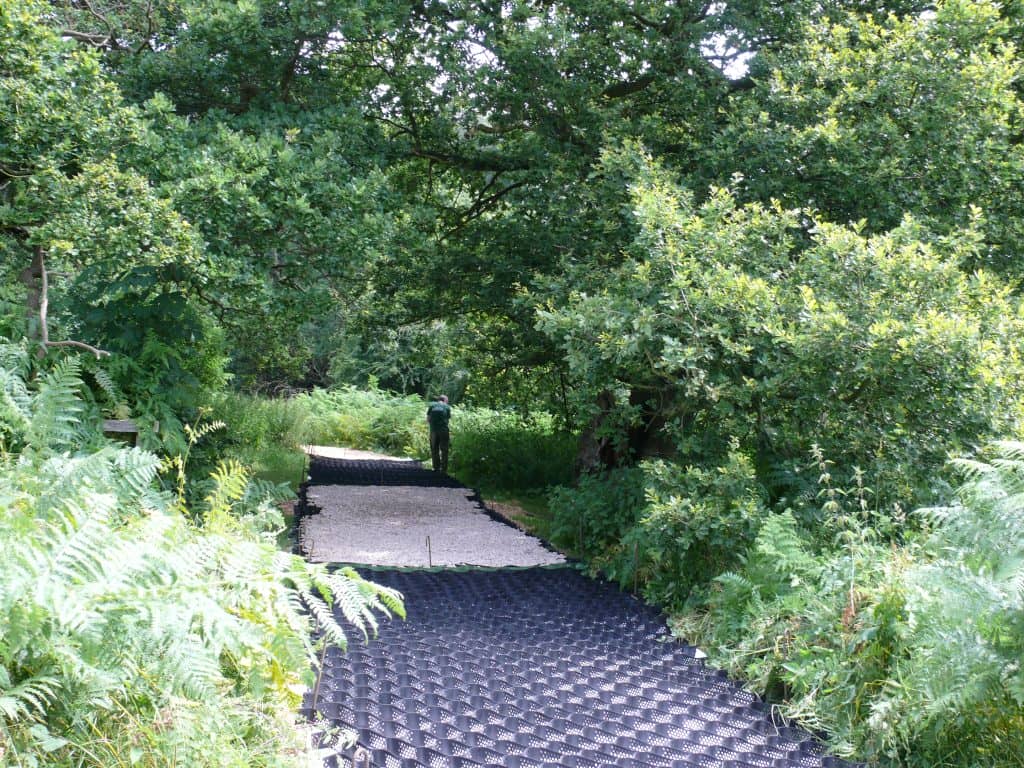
[[389, 525]]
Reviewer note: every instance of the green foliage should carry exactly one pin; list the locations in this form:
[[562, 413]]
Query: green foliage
[[909, 653], [370, 420], [659, 526], [762, 325], [120, 261], [873, 118], [596, 513], [130, 634], [496, 449], [265, 434], [693, 526]]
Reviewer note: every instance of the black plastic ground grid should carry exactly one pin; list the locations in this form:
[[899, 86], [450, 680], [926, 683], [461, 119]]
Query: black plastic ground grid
[[326, 471], [542, 667]]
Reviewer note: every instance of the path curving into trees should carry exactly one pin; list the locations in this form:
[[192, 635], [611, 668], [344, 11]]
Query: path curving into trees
[[526, 667]]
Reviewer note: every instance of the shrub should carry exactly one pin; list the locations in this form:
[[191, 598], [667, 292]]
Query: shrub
[[662, 526], [694, 525], [495, 449], [593, 516], [369, 420], [724, 321]]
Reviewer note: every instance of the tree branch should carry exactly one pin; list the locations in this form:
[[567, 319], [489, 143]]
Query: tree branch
[[38, 271], [92, 38], [482, 204], [471, 163], [80, 345], [628, 87], [745, 83]]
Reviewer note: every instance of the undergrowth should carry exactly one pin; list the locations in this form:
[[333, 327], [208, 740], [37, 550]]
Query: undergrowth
[[493, 449], [138, 630], [898, 637], [265, 434]]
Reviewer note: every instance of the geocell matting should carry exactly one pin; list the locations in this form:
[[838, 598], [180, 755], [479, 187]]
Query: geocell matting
[[525, 668]]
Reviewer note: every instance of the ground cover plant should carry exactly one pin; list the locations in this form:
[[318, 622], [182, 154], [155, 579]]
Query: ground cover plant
[[904, 653], [137, 630], [265, 434]]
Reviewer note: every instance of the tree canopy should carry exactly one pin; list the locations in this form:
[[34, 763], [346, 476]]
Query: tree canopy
[[702, 212]]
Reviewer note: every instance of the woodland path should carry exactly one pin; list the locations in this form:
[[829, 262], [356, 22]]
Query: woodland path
[[513, 667]]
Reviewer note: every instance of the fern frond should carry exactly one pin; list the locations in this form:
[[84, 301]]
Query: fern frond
[[229, 485], [28, 698], [56, 408], [109, 387], [15, 404]]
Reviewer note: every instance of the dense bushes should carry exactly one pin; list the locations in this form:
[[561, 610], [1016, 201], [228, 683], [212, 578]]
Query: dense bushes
[[660, 526], [368, 419], [136, 632], [907, 653], [591, 517], [725, 322], [494, 449], [898, 639]]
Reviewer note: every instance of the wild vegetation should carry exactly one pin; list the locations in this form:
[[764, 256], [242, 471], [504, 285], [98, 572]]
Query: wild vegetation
[[138, 630], [736, 279], [499, 451]]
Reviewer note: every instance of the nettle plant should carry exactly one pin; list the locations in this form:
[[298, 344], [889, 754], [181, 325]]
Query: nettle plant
[[132, 635]]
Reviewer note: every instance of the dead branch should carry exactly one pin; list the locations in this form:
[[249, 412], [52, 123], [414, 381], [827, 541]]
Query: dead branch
[[38, 271], [92, 38]]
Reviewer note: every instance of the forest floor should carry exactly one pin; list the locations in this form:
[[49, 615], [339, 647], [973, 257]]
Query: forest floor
[[523, 667]]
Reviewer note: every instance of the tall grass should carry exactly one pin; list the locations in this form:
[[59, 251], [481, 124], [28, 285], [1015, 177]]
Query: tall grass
[[509, 452], [371, 420], [265, 434]]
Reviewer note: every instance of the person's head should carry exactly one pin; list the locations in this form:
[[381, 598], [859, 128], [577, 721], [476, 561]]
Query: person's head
[[443, 398]]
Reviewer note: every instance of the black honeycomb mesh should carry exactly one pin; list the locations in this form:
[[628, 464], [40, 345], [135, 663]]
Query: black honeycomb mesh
[[542, 667], [323, 471]]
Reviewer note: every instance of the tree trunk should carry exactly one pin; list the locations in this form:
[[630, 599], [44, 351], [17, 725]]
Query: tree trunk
[[36, 280], [32, 278], [598, 452]]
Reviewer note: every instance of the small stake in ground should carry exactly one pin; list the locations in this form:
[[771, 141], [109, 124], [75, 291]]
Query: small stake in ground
[[319, 677], [430, 557], [579, 536], [636, 566]]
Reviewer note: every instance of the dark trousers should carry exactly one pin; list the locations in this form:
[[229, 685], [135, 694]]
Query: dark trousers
[[439, 450]]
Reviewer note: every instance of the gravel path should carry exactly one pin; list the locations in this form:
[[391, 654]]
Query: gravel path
[[390, 526]]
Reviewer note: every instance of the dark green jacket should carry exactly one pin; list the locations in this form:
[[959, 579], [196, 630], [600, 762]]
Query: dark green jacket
[[438, 416]]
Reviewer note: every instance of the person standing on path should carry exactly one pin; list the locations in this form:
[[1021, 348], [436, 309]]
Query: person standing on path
[[439, 413]]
